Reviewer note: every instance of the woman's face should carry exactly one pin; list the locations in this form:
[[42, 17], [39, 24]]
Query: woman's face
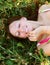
[[20, 28]]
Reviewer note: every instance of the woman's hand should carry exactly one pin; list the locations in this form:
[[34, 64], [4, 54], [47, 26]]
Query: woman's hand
[[36, 34]]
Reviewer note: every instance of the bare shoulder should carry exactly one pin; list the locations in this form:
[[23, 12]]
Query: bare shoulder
[[44, 7]]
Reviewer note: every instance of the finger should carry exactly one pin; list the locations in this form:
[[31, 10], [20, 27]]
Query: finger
[[30, 33], [32, 38]]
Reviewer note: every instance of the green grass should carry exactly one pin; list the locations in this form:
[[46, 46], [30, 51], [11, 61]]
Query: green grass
[[15, 51]]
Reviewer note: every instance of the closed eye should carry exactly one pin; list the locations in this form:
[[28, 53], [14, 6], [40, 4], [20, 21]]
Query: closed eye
[[26, 26], [18, 31], [19, 26]]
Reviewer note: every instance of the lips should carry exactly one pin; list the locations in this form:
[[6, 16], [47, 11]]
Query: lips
[[43, 41]]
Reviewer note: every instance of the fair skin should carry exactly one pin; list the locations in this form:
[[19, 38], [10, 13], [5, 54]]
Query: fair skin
[[36, 34], [33, 29]]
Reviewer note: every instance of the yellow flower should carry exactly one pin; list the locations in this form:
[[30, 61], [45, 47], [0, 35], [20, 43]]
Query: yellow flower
[[47, 62]]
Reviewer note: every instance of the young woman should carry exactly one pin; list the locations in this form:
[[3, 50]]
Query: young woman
[[34, 30], [44, 18]]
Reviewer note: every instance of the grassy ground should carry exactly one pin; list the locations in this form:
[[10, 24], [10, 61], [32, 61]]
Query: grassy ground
[[15, 51]]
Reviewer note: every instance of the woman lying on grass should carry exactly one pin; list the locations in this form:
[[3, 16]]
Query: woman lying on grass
[[35, 30]]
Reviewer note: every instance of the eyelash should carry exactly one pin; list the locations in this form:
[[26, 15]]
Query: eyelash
[[19, 26]]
